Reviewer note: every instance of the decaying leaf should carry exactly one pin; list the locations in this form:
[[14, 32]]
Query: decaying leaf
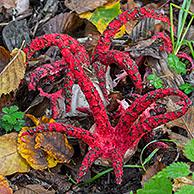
[[15, 33], [152, 170], [44, 150], [36, 158], [55, 145], [185, 121], [4, 57], [4, 186], [12, 74], [34, 189], [10, 160], [7, 4], [179, 182], [102, 16], [84, 5]]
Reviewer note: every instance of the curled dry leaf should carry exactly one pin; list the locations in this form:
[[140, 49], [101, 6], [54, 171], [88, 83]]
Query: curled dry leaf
[[36, 158], [12, 74], [84, 5], [34, 189], [185, 122], [55, 145], [4, 186], [44, 150], [10, 160], [4, 57]]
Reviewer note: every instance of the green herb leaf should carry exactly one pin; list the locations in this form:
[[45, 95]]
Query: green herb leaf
[[176, 65], [189, 150], [156, 185], [155, 81], [175, 170], [187, 88], [186, 189]]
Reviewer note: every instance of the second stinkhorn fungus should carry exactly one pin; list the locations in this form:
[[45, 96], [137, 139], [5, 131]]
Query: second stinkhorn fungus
[[106, 141]]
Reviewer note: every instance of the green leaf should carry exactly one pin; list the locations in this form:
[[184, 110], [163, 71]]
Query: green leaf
[[5, 110], [186, 189], [157, 185], [155, 81], [176, 65], [189, 150], [7, 118], [102, 16], [13, 108], [6, 126], [175, 170], [187, 88], [18, 115]]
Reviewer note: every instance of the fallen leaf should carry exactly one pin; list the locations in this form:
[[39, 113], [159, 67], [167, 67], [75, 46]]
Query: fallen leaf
[[102, 16], [179, 182], [15, 33], [10, 160], [34, 189], [186, 121], [55, 145], [44, 150], [4, 57], [4, 186], [12, 74], [84, 5], [7, 4], [36, 158], [152, 170]]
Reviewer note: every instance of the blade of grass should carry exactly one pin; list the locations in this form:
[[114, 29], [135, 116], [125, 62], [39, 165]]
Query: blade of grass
[[100, 174], [186, 6], [183, 36], [172, 26]]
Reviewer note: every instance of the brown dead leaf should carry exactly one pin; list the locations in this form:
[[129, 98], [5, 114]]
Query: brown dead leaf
[[4, 186], [12, 74], [10, 160], [152, 170], [179, 182], [4, 57], [55, 145], [34, 189], [81, 6], [7, 4], [36, 158], [186, 121], [44, 150]]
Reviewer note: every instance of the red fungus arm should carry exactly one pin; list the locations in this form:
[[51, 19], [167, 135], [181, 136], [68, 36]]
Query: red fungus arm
[[140, 104], [69, 130]]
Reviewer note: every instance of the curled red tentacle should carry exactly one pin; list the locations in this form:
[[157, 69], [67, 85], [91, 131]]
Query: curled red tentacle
[[187, 57]]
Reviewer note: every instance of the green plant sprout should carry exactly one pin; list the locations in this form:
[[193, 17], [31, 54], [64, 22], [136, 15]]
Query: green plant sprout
[[181, 33], [12, 119], [182, 29]]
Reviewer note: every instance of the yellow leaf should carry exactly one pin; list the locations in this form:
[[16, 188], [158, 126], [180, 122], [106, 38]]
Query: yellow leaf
[[12, 74], [10, 160], [102, 16]]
